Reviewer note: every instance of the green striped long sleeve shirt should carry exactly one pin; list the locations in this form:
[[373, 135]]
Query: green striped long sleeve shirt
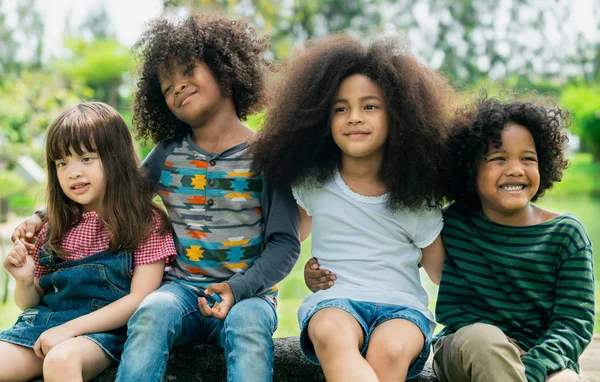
[[535, 283]]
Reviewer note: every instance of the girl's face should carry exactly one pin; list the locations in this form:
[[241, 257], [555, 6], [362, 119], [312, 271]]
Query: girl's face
[[508, 177], [359, 118], [192, 95], [81, 178]]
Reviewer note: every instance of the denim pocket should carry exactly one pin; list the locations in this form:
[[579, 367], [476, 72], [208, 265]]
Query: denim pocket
[[28, 316]]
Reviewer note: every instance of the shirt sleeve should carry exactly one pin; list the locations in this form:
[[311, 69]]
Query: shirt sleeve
[[572, 321], [40, 270], [428, 227], [282, 246], [153, 164], [156, 247], [300, 195]]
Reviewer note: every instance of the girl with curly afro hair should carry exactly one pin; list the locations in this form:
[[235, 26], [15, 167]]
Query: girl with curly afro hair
[[236, 238], [517, 291], [358, 131]]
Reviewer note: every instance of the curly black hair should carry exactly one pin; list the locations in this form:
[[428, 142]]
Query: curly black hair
[[230, 48], [296, 144], [481, 122]]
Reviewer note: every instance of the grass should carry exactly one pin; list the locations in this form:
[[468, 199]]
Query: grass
[[573, 195]]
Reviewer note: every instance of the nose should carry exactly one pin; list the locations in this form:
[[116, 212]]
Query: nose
[[180, 88], [515, 168], [355, 117], [74, 171]]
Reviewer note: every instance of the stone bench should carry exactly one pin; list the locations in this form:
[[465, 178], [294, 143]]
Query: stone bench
[[204, 363]]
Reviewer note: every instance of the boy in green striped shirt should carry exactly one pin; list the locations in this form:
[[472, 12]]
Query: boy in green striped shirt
[[517, 289]]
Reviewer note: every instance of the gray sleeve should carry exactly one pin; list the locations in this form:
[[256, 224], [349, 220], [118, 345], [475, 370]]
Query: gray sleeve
[[282, 245], [153, 163]]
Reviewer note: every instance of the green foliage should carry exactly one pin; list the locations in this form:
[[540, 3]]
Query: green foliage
[[100, 64], [583, 101], [29, 102], [22, 198]]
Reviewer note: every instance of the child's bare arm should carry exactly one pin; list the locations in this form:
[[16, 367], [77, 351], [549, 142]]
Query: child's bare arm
[[433, 259], [146, 278], [305, 224], [20, 265]]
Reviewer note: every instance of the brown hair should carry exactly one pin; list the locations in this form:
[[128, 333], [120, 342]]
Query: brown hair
[[127, 208]]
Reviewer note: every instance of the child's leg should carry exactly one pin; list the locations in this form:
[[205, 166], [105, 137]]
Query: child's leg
[[18, 363], [247, 338], [77, 359], [393, 347], [566, 375], [166, 317], [337, 338], [477, 353]]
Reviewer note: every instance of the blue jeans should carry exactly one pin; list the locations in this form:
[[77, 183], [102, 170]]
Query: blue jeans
[[170, 317]]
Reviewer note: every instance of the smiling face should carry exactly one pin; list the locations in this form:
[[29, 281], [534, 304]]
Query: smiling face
[[192, 94], [81, 178], [359, 118], [508, 177]]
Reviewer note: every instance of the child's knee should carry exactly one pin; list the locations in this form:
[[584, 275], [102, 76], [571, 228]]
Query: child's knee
[[478, 338], [58, 360], [391, 353]]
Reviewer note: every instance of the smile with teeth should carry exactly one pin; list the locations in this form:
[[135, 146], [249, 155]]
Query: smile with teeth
[[512, 187]]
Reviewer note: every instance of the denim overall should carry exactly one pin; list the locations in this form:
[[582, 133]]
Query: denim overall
[[73, 289]]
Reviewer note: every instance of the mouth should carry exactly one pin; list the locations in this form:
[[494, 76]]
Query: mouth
[[186, 97], [79, 188], [356, 134], [513, 188]]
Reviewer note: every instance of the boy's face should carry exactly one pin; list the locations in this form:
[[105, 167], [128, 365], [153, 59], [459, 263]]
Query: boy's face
[[508, 177], [193, 95]]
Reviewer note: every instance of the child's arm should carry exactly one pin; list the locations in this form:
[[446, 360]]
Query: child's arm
[[433, 259], [20, 265], [146, 278], [282, 247], [572, 321], [305, 224]]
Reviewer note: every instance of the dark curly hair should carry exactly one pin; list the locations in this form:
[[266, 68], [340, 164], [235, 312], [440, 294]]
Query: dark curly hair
[[296, 144], [230, 48], [481, 122]]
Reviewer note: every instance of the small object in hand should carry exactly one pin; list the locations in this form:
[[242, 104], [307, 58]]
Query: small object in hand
[[216, 297]]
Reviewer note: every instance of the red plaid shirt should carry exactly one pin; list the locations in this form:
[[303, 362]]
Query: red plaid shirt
[[90, 237]]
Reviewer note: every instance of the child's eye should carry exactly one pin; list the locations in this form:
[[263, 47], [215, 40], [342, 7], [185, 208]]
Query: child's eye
[[339, 109], [167, 89], [370, 107], [61, 164], [496, 159], [532, 159]]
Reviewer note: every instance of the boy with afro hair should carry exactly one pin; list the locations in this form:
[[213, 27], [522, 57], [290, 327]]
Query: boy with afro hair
[[236, 237]]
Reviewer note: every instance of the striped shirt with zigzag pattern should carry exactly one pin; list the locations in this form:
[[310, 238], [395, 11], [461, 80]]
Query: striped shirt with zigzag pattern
[[535, 283]]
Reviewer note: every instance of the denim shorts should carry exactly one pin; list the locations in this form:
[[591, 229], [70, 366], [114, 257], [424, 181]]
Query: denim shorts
[[369, 315]]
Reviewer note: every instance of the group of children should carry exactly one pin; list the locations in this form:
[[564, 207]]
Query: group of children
[[361, 141]]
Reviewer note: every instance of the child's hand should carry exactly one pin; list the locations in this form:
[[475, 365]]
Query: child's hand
[[220, 309], [315, 278], [50, 338], [19, 263], [26, 231]]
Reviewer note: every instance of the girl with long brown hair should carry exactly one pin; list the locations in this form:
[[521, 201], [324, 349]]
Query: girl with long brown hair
[[101, 252]]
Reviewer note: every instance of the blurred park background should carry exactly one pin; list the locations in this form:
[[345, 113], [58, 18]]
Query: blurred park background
[[54, 53]]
